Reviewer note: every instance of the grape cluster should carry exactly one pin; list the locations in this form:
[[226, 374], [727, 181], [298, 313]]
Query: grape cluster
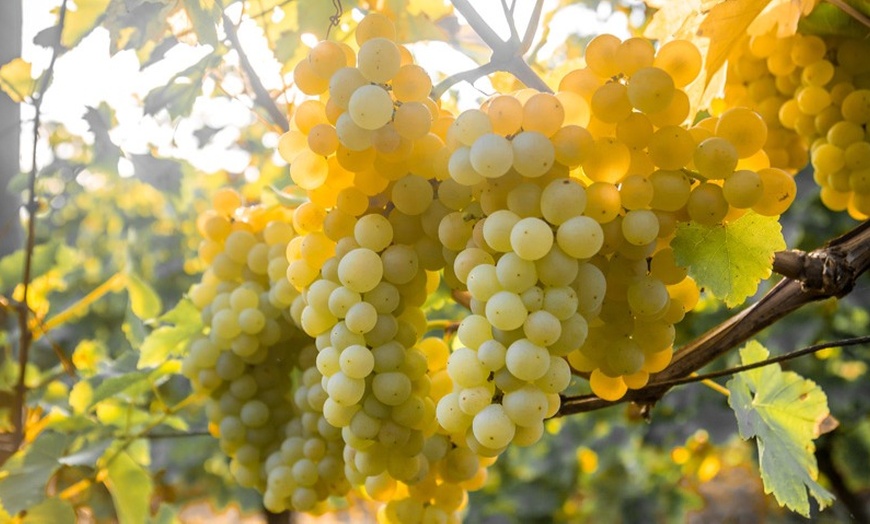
[[815, 93], [271, 426], [552, 213]]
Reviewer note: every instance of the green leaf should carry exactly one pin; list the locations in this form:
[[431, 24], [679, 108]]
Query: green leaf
[[29, 471], [729, 259], [16, 81], [82, 20], [51, 511], [167, 341], [829, 20], [144, 301], [12, 266], [204, 16], [87, 455], [783, 411], [131, 487], [116, 385]]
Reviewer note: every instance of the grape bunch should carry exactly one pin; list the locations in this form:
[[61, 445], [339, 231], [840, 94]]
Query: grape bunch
[[552, 213], [815, 92]]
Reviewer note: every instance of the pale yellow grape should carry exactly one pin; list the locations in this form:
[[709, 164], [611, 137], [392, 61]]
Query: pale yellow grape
[[671, 147], [526, 360], [556, 268], [323, 140], [384, 297], [493, 428], [379, 60], [624, 357], [308, 114], [531, 238], [558, 375], [505, 311], [744, 128], [601, 55], [307, 80], [636, 192], [591, 286], [647, 296], [360, 270], [573, 145], [857, 156], [326, 58], [715, 158], [370, 107], [392, 388], [340, 301], [251, 321], [525, 200], [608, 161], [640, 227], [516, 274], [542, 328], [482, 282], [580, 236], [351, 135], [675, 113], [526, 406], [412, 194], [374, 25], [681, 59], [561, 301], [465, 369], [610, 103], [577, 109], [856, 106], [469, 126], [344, 390], [635, 130], [533, 153], [343, 84], [469, 259], [412, 120], [670, 190], [491, 355], [411, 84], [361, 318], [401, 264], [460, 168], [707, 204], [474, 330], [473, 400], [562, 199], [454, 231], [602, 202], [497, 229], [633, 54], [491, 155], [779, 191], [650, 89], [505, 113], [743, 189], [543, 112]]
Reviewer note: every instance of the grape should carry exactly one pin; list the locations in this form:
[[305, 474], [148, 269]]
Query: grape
[[371, 107], [505, 311], [526, 360], [650, 89], [640, 227], [533, 153], [744, 129], [543, 113], [531, 238], [360, 270], [411, 84], [581, 237], [611, 103], [715, 158], [601, 55], [491, 155], [671, 147], [379, 59], [707, 204], [374, 25], [742, 189], [681, 59], [779, 191]]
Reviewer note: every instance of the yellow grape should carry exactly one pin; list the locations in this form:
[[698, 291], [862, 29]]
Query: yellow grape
[[779, 192], [326, 58], [543, 112], [374, 25], [681, 59], [411, 84], [744, 128], [601, 55], [633, 54], [651, 89]]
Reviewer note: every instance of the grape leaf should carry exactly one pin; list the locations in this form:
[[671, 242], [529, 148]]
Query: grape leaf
[[44, 258], [167, 341], [144, 301], [82, 21], [130, 486], [51, 511], [16, 81], [725, 25], [29, 470], [729, 259], [783, 411], [203, 15]]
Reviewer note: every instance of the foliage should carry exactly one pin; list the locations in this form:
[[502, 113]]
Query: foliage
[[111, 428]]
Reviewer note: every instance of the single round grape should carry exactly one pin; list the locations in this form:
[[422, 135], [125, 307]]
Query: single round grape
[[533, 153], [379, 59], [581, 237], [370, 106], [360, 270], [505, 311], [743, 189], [715, 158], [681, 59], [650, 89], [744, 129], [531, 238], [493, 428], [491, 155], [640, 227]]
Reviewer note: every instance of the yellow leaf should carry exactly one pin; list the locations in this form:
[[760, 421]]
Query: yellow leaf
[[724, 25], [16, 81], [81, 20]]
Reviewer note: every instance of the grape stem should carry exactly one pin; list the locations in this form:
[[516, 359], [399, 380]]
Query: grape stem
[[845, 258], [507, 55], [261, 95]]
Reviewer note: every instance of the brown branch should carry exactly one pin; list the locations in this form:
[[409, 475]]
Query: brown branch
[[26, 336], [852, 255], [261, 95]]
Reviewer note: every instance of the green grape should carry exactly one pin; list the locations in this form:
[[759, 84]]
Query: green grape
[[505, 311], [715, 158], [640, 227], [743, 189], [531, 238], [707, 204], [526, 360]]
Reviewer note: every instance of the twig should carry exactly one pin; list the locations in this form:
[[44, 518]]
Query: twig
[[851, 11], [261, 95], [479, 25], [532, 28], [787, 296], [584, 403], [25, 334], [509, 18], [186, 434], [464, 76]]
